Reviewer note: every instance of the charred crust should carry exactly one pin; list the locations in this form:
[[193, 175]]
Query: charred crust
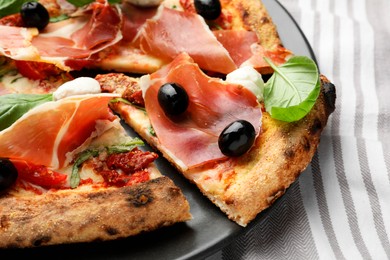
[[111, 231], [244, 14], [174, 192], [41, 240], [305, 144], [140, 197], [4, 222], [289, 153], [315, 127], [264, 20], [329, 92]]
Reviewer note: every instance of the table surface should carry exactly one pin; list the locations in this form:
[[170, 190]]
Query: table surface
[[340, 206]]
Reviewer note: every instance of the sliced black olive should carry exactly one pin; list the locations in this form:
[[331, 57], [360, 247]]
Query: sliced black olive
[[237, 138], [34, 14], [173, 99], [8, 174], [208, 9]]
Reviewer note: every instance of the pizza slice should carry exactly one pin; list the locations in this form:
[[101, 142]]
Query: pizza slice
[[70, 173], [127, 37], [236, 149]]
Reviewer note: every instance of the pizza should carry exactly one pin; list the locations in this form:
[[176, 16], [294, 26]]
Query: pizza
[[207, 84]]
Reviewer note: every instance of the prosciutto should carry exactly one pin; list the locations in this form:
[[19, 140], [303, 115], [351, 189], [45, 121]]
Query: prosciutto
[[47, 133], [133, 20], [237, 43], [17, 43], [213, 104], [172, 32], [76, 38]]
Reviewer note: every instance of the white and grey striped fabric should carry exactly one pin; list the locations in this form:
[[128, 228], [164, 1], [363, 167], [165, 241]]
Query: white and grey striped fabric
[[340, 206]]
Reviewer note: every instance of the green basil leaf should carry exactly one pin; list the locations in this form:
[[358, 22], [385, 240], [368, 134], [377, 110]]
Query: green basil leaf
[[13, 106], [59, 18], [75, 176], [8, 7], [80, 3], [127, 147], [85, 155], [293, 89]]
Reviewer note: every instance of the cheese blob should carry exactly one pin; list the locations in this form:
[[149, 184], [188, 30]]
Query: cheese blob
[[249, 78], [78, 86]]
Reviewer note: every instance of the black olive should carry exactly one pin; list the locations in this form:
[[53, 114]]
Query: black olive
[[208, 9], [8, 174], [34, 14], [173, 99], [237, 138]]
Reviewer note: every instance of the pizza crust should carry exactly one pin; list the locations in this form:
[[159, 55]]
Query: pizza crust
[[79, 215], [252, 15]]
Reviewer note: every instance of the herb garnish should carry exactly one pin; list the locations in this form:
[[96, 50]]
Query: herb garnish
[[293, 89], [87, 154], [13, 106]]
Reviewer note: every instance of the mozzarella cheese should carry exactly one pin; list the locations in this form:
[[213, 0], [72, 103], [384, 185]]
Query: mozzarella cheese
[[249, 78], [78, 86]]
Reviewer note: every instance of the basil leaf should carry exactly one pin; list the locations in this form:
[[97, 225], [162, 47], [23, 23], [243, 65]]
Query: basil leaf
[[80, 3], [85, 155], [8, 7], [13, 106], [293, 89], [59, 18], [123, 148], [75, 176]]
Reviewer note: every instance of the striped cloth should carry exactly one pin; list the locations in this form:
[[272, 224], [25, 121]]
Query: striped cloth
[[340, 206]]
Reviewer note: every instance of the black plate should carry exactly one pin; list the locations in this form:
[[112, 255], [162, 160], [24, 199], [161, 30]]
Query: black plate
[[209, 230]]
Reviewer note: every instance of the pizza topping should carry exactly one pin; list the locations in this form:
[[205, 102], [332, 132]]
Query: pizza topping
[[13, 106], [172, 32], [8, 174], [237, 43], [248, 77], [78, 86], [237, 138], [17, 44], [90, 153], [131, 162], [39, 174], [34, 14], [55, 129], [208, 9], [76, 38], [173, 99], [213, 104], [293, 89], [37, 70], [134, 17], [144, 3]]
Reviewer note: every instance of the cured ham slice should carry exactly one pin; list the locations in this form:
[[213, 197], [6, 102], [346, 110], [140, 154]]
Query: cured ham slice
[[172, 32], [245, 50], [17, 43], [237, 43], [277, 55], [75, 38], [213, 104], [133, 19], [45, 134], [81, 36]]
